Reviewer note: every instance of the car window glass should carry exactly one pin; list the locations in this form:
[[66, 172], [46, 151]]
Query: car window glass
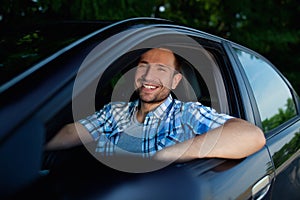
[[273, 97]]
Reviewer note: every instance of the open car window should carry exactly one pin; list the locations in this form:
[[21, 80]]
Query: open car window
[[107, 72], [116, 83]]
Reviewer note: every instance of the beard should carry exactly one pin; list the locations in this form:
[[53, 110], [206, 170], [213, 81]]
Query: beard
[[156, 97]]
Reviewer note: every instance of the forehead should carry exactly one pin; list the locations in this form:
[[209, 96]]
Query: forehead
[[161, 56]]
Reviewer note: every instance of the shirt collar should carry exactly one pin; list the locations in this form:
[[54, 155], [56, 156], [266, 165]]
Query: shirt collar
[[161, 110]]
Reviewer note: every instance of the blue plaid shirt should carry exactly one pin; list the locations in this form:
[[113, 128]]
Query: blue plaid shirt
[[170, 123]]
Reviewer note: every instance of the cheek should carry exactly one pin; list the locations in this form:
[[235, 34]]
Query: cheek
[[137, 76], [137, 83], [166, 80]]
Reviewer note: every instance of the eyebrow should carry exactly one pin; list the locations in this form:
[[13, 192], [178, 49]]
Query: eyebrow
[[159, 64], [143, 61], [162, 65]]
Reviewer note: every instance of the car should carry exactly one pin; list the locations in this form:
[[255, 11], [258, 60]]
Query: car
[[96, 69]]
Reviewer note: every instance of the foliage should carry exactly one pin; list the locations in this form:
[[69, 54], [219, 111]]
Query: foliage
[[269, 27], [287, 151], [281, 117]]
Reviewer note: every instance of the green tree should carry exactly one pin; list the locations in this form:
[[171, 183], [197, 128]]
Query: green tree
[[270, 27], [282, 116]]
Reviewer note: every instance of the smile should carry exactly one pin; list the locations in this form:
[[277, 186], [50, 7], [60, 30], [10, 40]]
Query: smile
[[149, 86]]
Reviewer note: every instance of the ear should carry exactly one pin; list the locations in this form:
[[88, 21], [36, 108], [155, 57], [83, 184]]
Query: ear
[[176, 79]]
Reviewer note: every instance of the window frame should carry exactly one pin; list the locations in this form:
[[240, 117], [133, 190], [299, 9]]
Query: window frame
[[250, 92]]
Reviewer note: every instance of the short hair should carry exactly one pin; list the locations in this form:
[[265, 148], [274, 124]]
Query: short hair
[[178, 62]]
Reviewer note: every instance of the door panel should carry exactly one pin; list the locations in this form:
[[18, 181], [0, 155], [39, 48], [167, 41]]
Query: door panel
[[284, 148], [21, 155]]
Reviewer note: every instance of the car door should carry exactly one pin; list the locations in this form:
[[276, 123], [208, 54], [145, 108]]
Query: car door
[[209, 78], [276, 108], [249, 178]]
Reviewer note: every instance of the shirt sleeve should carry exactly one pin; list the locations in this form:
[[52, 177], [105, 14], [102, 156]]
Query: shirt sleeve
[[98, 123], [202, 118]]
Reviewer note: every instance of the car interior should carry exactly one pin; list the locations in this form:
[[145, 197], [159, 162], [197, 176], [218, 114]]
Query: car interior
[[192, 85]]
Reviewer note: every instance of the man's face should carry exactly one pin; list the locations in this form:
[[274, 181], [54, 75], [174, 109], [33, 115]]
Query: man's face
[[156, 75]]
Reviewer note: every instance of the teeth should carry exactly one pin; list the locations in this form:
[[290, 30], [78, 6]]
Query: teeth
[[149, 86]]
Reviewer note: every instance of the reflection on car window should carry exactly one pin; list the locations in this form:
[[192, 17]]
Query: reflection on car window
[[273, 97]]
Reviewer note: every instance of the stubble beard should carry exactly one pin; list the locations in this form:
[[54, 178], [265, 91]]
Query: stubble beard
[[154, 98]]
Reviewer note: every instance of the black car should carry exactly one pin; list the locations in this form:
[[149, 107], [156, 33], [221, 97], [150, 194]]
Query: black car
[[95, 69]]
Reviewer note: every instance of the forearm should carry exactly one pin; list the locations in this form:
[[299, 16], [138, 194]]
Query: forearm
[[70, 135], [235, 139]]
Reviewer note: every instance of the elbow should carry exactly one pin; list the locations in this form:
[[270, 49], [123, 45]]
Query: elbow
[[252, 136], [255, 142], [260, 139]]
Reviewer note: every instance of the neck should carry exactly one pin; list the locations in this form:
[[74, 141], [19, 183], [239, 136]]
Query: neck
[[144, 109]]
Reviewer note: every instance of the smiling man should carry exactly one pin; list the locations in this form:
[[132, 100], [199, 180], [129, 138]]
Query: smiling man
[[158, 126], [156, 75]]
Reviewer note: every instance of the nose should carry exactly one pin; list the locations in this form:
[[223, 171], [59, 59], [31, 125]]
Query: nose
[[149, 73]]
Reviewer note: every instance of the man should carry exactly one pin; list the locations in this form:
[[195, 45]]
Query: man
[[159, 126]]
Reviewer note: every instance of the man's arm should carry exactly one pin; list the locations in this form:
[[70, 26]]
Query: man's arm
[[70, 135], [235, 139]]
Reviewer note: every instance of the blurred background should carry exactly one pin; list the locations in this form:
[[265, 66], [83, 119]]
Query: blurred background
[[270, 27]]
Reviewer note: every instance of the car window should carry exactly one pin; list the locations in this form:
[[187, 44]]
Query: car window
[[201, 82], [116, 84], [273, 97]]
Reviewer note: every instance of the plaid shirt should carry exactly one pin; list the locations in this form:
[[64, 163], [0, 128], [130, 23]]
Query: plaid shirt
[[170, 123]]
